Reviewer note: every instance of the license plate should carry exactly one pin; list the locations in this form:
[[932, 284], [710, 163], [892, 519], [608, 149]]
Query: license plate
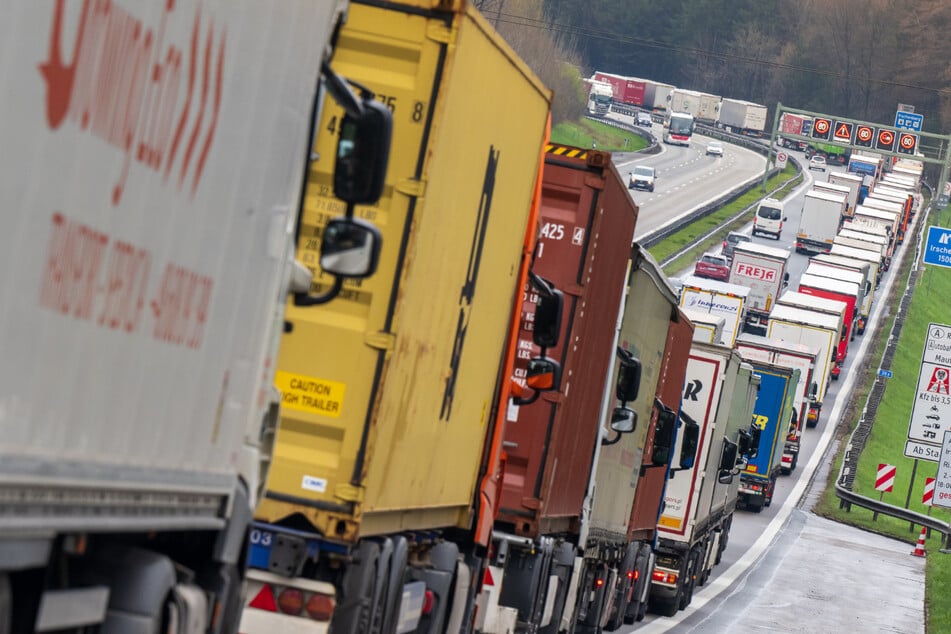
[[260, 553]]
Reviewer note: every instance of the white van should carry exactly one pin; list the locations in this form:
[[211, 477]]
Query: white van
[[769, 217]]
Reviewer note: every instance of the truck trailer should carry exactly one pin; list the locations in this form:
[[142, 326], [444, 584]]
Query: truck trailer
[[868, 282], [762, 269], [381, 496], [742, 117], [719, 299], [822, 215]]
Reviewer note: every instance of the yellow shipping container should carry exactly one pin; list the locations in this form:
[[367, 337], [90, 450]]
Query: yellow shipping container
[[388, 390]]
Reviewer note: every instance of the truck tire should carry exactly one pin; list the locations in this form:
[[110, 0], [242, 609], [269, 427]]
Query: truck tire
[[666, 607], [6, 603], [354, 611]]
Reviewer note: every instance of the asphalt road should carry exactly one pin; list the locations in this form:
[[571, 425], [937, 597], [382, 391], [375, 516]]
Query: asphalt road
[[787, 570]]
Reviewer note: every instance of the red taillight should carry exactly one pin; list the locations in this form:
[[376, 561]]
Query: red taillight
[[291, 601], [632, 574], [264, 600], [320, 607], [429, 599], [599, 582]]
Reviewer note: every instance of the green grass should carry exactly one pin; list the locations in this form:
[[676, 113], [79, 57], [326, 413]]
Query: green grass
[[889, 432], [721, 218], [585, 132]]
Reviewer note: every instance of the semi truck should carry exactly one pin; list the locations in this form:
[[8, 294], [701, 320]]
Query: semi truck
[[130, 471], [861, 240], [536, 550], [708, 328], [657, 95], [382, 491], [708, 112], [839, 190], [617, 542], [699, 501], [820, 330], [720, 299], [627, 91], [868, 282], [686, 101], [900, 205], [762, 269], [742, 117], [857, 278], [790, 124], [853, 182], [840, 291], [820, 220], [797, 356], [773, 417], [863, 255], [600, 95], [888, 220]]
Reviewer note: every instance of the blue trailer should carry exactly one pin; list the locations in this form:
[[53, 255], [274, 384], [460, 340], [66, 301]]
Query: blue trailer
[[772, 417]]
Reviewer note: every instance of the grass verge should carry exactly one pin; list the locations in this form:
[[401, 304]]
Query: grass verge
[[608, 138], [887, 439], [723, 219]]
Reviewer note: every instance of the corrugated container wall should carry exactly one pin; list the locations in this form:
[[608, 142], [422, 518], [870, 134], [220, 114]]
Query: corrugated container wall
[[389, 389], [587, 219]]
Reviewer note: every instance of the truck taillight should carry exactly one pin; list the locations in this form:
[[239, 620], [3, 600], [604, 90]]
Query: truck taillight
[[291, 601], [664, 577], [429, 599], [320, 607]]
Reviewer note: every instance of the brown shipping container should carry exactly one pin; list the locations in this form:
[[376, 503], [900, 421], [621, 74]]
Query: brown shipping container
[[670, 385], [587, 224]]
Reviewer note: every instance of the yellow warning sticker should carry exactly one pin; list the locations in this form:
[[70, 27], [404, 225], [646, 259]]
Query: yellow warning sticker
[[310, 394], [670, 522]]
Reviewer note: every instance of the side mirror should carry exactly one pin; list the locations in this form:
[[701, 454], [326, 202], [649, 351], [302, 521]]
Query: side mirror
[[744, 442], [363, 151], [786, 219], [664, 430], [691, 440], [629, 376], [548, 311], [813, 391], [755, 435], [728, 458], [350, 247], [543, 374], [623, 420]]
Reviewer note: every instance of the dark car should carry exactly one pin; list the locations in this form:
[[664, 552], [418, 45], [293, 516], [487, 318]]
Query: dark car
[[732, 239], [715, 267]]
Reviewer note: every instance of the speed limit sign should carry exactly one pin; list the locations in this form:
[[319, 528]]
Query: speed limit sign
[[781, 158]]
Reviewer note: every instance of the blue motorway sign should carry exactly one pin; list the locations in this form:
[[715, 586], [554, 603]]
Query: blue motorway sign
[[909, 120], [938, 246], [885, 373]]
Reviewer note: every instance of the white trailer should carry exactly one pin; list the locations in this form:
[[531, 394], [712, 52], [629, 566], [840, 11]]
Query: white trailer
[[821, 217], [718, 298], [762, 269], [708, 327], [150, 199], [868, 277], [853, 182], [742, 117]]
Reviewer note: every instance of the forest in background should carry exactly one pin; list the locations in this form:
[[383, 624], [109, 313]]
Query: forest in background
[[850, 58]]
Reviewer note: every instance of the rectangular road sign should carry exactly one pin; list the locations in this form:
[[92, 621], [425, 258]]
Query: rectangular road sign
[[909, 120], [922, 451], [885, 373], [942, 485], [931, 411], [938, 246]]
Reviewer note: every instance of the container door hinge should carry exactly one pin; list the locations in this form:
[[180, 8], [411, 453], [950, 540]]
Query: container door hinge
[[349, 493], [439, 33], [380, 340]]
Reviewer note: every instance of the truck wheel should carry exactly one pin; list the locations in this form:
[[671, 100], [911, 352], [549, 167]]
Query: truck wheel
[[795, 461], [354, 611], [835, 377], [6, 603], [666, 607]]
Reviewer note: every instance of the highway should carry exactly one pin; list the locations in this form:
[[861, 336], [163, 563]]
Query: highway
[[786, 569]]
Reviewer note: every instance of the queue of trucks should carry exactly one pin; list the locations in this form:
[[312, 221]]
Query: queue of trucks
[[382, 394]]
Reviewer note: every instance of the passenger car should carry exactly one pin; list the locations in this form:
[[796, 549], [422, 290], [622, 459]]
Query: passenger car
[[642, 177], [731, 240], [715, 267], [817, 163], [714, 148], [644, 118]]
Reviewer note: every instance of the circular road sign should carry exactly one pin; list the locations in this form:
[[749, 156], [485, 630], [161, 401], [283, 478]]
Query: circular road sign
[[864, 133], [822, 126], [907, 141], [886, 137]]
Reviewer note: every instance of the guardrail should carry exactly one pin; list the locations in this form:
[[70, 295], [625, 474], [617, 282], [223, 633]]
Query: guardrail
[[859, 436]]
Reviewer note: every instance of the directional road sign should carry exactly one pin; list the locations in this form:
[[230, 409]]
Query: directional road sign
[[885, 373], [909, 120], [938, 246]]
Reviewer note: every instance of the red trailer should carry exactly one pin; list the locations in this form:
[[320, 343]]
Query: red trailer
[[587, 224], [627, 90], [846, 292]]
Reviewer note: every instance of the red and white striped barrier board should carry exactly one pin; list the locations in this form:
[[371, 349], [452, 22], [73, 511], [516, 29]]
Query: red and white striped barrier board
[[929, 492], [885, 479]]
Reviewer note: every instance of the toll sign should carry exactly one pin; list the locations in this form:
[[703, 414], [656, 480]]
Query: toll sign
[[864, 136], [885, 478], [843, 131], [821, 129], [907, 143], [885, 141]]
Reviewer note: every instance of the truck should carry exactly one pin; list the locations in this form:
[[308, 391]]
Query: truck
[[381, 498], [627, 91], [772, 419], [841, 291], [139, 384], [537, 554], [657, 95], [790, 124], [817, 304], [708, 112], [833, 153], [742, 117], [686, 101], [891, 200], [853, 182], [600, 95], [863, 240], [821, 330], [863, 255], [868, 281], [616, 541], [720, 299], [839, 190], [708, 327], [840, 274], [820, 221], [797, 356], [887, 219], [867, 166], [699, 501], [762, 269]]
